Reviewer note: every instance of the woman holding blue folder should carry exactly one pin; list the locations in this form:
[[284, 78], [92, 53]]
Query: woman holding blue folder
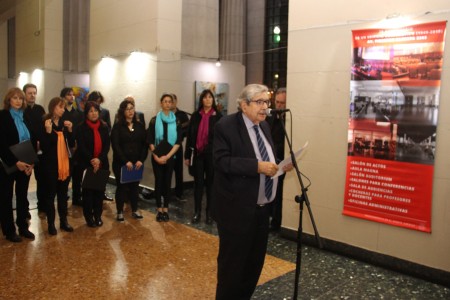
[[130, 149]]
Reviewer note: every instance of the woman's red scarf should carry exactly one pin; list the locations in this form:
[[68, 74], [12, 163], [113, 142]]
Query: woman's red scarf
[[97, 138]]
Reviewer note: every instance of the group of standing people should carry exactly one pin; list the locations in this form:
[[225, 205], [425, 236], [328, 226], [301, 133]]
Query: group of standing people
[[68, 141], [232, 157], [60, 138]]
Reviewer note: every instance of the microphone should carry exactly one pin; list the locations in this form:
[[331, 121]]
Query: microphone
[[270, 111]]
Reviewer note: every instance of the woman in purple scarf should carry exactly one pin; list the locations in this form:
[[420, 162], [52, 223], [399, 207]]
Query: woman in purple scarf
[[198, 155]]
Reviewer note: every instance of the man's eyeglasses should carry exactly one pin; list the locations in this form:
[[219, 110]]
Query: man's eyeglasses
[[260, 102]]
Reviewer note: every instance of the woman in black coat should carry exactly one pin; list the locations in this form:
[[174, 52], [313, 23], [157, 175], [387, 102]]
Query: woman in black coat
[[163, 130], [93, 144], [130, 149], [55, 139], [198, 155], [14, 129]]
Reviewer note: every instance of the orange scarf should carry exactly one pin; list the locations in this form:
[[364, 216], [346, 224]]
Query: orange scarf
[[63, 157]]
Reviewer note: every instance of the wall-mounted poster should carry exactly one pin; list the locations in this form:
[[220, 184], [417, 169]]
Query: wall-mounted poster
[[220, 91], [394, 104]]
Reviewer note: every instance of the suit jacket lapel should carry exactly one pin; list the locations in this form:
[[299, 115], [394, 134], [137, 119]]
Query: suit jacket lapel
[[245, 137]]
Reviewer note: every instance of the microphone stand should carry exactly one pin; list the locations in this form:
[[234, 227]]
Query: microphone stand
[[303, 198]]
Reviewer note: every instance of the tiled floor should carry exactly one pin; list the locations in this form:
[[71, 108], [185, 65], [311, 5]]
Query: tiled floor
[[143, 259], [323, 275]]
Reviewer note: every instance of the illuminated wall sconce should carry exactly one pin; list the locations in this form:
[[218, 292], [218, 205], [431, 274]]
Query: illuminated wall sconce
[[218, 64]]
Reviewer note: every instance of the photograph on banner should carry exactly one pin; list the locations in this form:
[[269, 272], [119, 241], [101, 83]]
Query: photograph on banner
[[394, 105]]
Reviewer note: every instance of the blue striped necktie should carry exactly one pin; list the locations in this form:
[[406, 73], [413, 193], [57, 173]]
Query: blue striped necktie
[[265, 157]]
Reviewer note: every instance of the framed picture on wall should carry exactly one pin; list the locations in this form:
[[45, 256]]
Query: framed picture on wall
[[80, 94], [221, 92]]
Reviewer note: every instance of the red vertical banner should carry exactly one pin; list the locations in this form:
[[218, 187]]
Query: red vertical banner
[[395, 88]]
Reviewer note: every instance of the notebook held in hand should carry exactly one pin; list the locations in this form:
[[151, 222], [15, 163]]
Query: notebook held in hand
[[23, 152], [134, 175], [95, 181]]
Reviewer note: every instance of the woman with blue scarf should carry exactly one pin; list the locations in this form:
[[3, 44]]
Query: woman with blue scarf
[[14, 130], [162, 129]]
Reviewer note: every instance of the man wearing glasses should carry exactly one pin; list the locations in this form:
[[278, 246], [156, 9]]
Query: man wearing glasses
[[244, 162]]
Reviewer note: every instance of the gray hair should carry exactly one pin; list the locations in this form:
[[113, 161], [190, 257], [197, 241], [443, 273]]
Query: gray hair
[[249, 92], [281, 90]]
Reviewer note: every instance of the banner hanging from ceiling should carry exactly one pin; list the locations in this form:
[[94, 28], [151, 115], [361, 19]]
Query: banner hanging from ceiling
[[394, 92]]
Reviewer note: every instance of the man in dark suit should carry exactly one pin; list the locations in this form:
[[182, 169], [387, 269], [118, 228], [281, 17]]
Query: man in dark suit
[[277, 122], [34, 113], [76, 117], [244, 158]]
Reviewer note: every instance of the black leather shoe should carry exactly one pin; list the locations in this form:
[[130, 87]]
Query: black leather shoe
[[66, 226], [107, 198], [27, 234], [14, 238], [165, 216], [196, 218], [159, 217], [52, 229], [98, 222]]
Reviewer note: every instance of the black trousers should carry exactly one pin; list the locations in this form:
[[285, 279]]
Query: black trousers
[[58, 188], [92, 204], [178, 170], [241, 258], [77, 176], [40, 187], [125, 191], [163, 179], [6, 195], [203, 176]]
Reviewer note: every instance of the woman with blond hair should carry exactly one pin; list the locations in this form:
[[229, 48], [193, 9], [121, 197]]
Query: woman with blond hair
[[15, 128]]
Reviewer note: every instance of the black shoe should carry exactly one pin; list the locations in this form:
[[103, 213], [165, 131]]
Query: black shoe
[[196, 218], [120, 217], [52, 229], [98, 222], [136, 215], [165, 216], [27, 234], [159, 217], [66, 226], [107, 198], [14, 238], [91, 223]]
